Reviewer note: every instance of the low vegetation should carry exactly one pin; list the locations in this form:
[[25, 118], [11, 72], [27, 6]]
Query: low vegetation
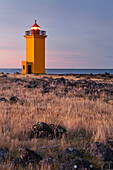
[[87, 118]]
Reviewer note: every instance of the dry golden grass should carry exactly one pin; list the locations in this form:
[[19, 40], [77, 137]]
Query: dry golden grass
[[86, 120]]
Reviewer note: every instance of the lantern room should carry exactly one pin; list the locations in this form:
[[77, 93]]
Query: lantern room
[[35, 28]]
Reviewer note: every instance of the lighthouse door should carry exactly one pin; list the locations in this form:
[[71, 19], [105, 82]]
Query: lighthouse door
[[29, 69]]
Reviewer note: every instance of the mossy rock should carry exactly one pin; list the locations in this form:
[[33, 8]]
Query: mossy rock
[[41, 126], [70, 153]]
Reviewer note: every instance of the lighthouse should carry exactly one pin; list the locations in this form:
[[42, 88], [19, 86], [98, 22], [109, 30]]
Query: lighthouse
[[35, 51]]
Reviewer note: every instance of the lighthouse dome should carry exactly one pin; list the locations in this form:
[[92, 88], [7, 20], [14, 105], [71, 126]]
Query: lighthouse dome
[[35, 26]]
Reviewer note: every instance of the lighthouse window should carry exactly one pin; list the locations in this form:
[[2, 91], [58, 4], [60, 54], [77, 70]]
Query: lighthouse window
[[23, 67]]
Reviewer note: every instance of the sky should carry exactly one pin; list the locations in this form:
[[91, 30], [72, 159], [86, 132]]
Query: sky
[[80, 32]]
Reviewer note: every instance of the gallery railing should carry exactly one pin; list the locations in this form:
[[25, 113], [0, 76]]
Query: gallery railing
[[35, 32]]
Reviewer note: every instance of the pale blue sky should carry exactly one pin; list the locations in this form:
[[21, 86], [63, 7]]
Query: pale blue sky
[[80, 32]]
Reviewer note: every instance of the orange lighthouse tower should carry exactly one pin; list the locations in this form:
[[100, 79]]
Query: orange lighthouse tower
[[35, 51]]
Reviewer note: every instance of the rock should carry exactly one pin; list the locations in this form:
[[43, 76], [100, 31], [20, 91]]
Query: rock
[[26, 155], [3, 100], [16, 73], [50, 79], [31, 86], [66, 90], [28, 86], [45, 91], [108, 166], [17, 161], [3, 154], [4, 75], [6, 88], [110, 142], [58, 81], [79, 164], [70, 153], [101, 151], [57, 130], [43, 134], [13, 99], [44, 130], [42, 126], [31, 164]]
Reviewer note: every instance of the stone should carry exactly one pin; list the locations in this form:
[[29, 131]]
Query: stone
[[44, 130], [13, 99], [79, 164], [70, 153], [110, 142], [31, 85], [43, 134], [16, 73], [57, 130], [26, 155], [42, 126], [4, 75], [58, 81], [28, 86], [104, 153], [3, 100], [6, 88], [3, 154], [17, 161], [46, 90]]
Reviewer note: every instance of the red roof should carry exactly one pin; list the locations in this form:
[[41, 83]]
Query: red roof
[[35, 24]]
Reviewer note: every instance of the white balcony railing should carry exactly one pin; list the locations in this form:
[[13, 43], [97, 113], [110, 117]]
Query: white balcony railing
[[39, 32]]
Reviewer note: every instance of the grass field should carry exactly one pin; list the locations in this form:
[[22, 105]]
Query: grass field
[[86, 120]]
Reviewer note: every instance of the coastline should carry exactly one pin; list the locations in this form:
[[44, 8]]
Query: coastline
[[65, 71]]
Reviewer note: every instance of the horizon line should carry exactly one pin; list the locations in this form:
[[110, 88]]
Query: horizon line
[[61, 68]]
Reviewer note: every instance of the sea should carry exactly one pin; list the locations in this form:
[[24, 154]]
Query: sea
[[63, 71]]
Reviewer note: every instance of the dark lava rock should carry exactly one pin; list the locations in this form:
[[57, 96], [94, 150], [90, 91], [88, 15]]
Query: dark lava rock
[[4, 75], [16, 73], [28, 86], [78, 163], [59, 81], [13, 99], [57, 130], [71, 153], [101, 151], [42, 126], [50, 79], [6, 88], [3, 154], [110, 142], [45, 91], [3, 99], [17, 161], [27, 155], [31, 85], [108, 166], [42, 129]]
